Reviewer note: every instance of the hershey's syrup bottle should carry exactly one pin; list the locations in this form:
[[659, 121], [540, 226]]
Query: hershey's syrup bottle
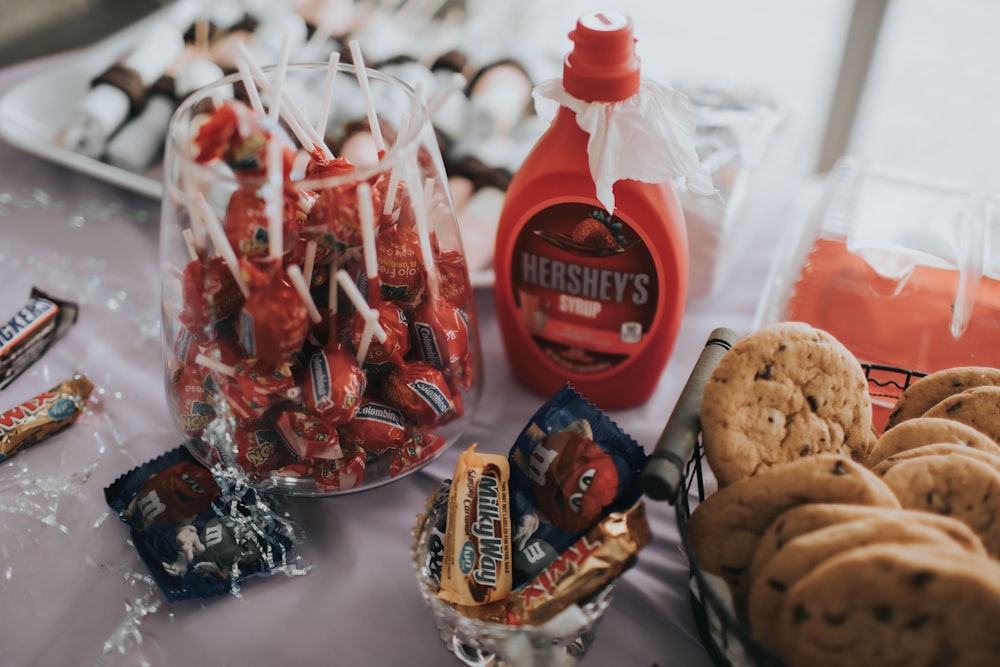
[[582, 294]]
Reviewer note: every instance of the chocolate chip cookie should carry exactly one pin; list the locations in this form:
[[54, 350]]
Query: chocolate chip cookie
[[782, 393], [955, 486], [920, 431], [805, 519], [978, 407], [923, 394], [724, 529], [890, 604], [938, 449], [802, 554]]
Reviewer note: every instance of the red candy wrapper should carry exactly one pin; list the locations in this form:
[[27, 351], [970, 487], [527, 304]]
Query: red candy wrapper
[[308, 436], [210, 293], [376, 428], [334, 384], [247, 223], [382, 356], [420, 392], [192, 390], [399, 265], [274, 322], [442, 333], [417, 450], [259, 448], [343, 474]]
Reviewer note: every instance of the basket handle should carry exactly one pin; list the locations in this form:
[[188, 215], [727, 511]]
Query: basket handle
[[664, 472]]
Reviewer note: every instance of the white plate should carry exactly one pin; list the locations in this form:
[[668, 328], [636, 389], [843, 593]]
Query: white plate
[[33, 113]]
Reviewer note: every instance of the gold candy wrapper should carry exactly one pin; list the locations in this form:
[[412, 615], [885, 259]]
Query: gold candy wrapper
[[476, 566], [43, 415], [599, 556]]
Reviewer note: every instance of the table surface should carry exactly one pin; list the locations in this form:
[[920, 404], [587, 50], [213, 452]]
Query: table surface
[[73, 590]]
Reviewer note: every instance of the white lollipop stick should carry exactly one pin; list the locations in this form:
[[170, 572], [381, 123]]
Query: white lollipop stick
[[218, 237], [215, 365], [420, 198], [250, 86], [390, 194], [324, 106], [366, 95], [275, 206], [279, 80], [372, 326], [367, 214], [189, 242], [310, 262], [293, 113], [299, 283], [331, 300]]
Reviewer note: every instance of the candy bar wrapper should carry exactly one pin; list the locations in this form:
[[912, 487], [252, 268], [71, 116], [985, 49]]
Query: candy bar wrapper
[[200, 532], [476, 564], [46, 414], [593, 561], [31, 330], [570, 467]]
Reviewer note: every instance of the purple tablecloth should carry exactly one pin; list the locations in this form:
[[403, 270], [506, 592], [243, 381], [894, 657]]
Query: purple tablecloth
[[72, 589]]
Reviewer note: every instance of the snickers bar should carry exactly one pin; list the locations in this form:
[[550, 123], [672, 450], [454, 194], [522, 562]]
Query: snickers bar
[[29, 333]]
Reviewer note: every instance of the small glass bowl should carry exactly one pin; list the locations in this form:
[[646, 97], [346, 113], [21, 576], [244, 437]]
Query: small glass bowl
[[560, 642]]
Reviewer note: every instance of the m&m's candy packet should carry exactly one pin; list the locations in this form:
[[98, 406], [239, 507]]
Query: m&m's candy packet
[[200, 532], [570, 467]]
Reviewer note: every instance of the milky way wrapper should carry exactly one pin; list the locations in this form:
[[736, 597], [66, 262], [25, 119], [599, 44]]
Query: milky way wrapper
[[595, 559], [476, 564], [30, 331], [43, 415]]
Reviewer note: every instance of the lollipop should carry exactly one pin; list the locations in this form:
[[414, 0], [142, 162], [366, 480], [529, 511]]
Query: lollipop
[[211, 293], [191, 390], [376, 428], [308, 436], [344, 474], [258, 448], [420, 392], [334, 384]]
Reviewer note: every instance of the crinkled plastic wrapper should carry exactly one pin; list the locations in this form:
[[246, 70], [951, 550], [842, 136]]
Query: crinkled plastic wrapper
[[200, 532], [570, 467]]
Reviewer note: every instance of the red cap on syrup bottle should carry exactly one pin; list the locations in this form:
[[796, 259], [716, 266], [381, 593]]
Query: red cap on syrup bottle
[[603, 66]]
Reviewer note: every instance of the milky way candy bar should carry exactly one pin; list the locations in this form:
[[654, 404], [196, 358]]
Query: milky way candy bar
[[30, 331], [476, 567]]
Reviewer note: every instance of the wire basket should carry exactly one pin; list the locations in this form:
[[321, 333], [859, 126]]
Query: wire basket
[[685, 481]]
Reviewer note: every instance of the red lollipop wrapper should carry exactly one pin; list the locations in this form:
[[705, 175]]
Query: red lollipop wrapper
[[274, 322], [190, 342], [335, 212], [237, 135], [334, 384], [259, 448], [382, 356], [253, 391], [192, 390], [421, 393], [399, 264], [454, 277], [376, 428], [417, 450], [247, 223], [343, 474], [210, 292], [308, 436], [442, 334]]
